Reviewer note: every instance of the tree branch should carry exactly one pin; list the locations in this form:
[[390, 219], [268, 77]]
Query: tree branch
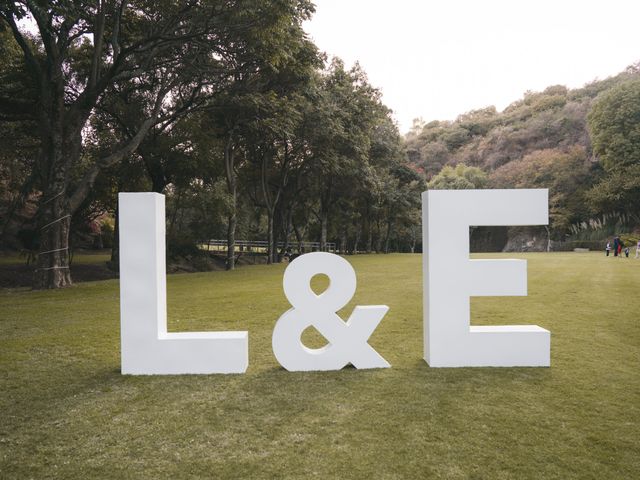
[[127, 148], [98, 43], [44, 27], [115, 35]]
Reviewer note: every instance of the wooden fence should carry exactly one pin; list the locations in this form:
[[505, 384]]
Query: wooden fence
[[261, 246]]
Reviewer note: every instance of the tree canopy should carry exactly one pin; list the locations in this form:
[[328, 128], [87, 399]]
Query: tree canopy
[[230, 110], [226, 107]]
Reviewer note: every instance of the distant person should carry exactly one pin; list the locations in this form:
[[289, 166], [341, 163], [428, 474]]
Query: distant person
[[638, 249], [620, 245], [608, 248], [616, 244], [626, 252]]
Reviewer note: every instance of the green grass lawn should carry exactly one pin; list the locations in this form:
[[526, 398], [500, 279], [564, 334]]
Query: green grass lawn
[[68, 413]]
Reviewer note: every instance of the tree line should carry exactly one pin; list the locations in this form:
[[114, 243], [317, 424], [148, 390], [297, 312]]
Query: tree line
[[226, 107], [230, 110]]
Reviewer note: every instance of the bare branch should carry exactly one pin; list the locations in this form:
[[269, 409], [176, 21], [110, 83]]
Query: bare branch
[[115, 35], [98, 42], [45, 28], [126, 148]]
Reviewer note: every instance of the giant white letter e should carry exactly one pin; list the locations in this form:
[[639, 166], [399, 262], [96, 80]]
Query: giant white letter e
[[450, 278]]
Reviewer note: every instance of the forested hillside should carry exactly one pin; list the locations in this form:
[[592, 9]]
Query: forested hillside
[[582, 144]]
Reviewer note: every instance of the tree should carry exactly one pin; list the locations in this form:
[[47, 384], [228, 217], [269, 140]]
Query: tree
[[173, 52], [459, 177], [253, 116], [614, 126], [349, 110], [18, 146], [618, 192]]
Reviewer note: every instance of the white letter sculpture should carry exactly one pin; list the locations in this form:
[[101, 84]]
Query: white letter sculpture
[[450, 278], [347, 341], [147, 347]]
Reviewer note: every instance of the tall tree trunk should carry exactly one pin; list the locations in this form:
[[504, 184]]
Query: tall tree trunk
[[387, 236], [323, 230], [154, 168], [231, 241], [378, 237], [174, 215], [325, 203], [299, 237], [270, 242], [229, 155], [114, 262], [54, 220], [369, 232], [54, 212], [287, 229], [548, 238], [343, 240], [378, 242], [158, 183], [269, 205], [356, 242]]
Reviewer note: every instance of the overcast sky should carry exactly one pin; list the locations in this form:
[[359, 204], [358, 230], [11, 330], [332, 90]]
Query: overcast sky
[[437, 59]]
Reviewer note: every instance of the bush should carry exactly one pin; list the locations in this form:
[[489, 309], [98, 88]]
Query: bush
[[185, 255], [180, 248], [630, 240]]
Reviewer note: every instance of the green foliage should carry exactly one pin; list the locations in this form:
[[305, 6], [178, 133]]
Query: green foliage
[[565, 174], [455, 137], [478, 122], [460, 177], [630, 240], [542, 141], [18, 145], [618, 191], [114, 79], [614, 125]]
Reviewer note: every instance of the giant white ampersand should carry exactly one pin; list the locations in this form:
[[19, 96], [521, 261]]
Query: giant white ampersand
[[347, 340]]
